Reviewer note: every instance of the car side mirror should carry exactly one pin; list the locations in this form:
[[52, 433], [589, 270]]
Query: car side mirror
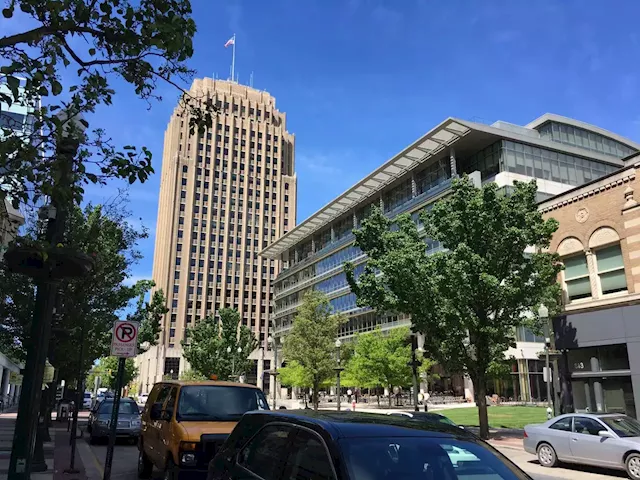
[[156, 411], [166, 415], [605, 434]]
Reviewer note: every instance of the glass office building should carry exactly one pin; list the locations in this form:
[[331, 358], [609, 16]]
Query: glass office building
[[558, 152]]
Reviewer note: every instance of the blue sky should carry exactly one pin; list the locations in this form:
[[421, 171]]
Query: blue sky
[[361, 79]]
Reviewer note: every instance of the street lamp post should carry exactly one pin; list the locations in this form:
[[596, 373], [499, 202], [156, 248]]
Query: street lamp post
[[273, 341], [338, 369], [543, 313], [233, 375], [24, 437], [415, 364]]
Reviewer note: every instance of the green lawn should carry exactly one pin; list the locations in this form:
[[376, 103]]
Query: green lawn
[[499, 416]]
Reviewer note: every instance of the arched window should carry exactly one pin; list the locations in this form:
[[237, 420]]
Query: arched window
[[609, 263], [577, 282]]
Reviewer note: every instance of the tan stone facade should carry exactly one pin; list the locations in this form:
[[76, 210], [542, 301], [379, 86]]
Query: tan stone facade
[[224, 196], [596, 216]]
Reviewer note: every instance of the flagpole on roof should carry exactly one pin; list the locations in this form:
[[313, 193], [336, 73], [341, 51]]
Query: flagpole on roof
[[233, 58]]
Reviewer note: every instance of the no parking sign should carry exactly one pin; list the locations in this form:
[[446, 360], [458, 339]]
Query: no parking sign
[[124, 341]]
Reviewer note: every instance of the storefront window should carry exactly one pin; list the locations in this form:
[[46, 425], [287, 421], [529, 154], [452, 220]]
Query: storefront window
[[599, 359]]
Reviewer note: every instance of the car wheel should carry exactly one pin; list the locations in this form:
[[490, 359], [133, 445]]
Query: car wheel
[[632, 465], [169, 470], [145, 466], [92, 439], [547, 455]]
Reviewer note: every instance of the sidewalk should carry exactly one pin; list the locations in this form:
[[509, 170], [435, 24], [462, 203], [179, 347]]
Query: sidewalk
[[57, 452], [7, 425]]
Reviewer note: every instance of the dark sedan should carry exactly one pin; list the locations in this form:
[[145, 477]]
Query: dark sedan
[[349, 445], [128, 420]]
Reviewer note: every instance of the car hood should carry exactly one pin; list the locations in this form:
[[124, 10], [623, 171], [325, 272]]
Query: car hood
[[194, 430]]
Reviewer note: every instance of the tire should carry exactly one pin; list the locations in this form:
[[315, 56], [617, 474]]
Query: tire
[[93, 440], [547, 455], [169, 470], [632, 466], [145, 467]]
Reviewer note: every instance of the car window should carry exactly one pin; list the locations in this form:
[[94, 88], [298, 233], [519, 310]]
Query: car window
[[563, 424], [623, 425], [162, 394], [201, 403], [418, 458], [587, 426], [126, 408], [308, 458], [263, 454], [171, 402]]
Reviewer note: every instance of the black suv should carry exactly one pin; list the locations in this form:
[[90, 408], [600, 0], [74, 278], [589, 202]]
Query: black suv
[[348, 445]]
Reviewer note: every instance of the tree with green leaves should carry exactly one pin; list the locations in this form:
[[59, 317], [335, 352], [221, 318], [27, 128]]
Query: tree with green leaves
[[149, 314], [219, 346], [107, 368], [468, 298], [87, 307], [146, 44], [311, 341], [381, 359], [192, 375]]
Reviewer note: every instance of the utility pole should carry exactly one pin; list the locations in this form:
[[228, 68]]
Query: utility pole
[[24, 436]]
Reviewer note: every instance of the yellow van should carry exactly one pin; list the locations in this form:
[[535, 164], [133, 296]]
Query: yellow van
[[185, 423]]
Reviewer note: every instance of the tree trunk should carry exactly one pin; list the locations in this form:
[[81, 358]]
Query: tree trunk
[[316, 384], [378, 395], [481, 388], [390, 393]]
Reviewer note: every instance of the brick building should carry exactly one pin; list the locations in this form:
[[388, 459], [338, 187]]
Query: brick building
[[598, 334]]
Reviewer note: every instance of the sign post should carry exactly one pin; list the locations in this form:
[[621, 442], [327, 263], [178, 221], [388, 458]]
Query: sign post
[[124, 344]]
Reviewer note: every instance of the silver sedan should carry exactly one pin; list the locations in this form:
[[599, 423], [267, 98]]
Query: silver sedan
[[604, 440]]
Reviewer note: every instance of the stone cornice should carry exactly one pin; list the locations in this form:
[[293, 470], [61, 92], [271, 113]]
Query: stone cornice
[[612, 181]]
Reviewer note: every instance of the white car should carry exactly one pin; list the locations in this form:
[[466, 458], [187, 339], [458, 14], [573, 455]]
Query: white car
[[86, 401], [142, 399]]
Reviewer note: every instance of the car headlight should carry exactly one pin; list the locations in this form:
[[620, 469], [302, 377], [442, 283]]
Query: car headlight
[[104, 423], [135, 423], [188, 458]]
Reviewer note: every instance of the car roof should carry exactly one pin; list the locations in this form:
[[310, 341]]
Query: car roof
[[357, 424], [183, 383], [589, 415]]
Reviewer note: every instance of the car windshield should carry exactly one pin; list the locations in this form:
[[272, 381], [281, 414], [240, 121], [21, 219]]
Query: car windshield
[[218, 403], [87, 395], [623, 426], [411, 458], [126, 408]]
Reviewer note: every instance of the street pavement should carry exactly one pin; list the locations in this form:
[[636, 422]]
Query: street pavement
[[529, 464]]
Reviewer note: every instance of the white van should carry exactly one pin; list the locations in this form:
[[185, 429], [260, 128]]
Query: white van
[[86, 402]]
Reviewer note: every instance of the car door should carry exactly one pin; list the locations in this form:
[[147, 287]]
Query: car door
[[308, 458], [264, 455], [165, 425], [151, 426], [588, 447], [558, 434]]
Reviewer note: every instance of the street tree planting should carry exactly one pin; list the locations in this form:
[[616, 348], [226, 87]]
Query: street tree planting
[[468, 298]]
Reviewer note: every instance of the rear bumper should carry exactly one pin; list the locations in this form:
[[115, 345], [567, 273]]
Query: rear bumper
[[529, 445]]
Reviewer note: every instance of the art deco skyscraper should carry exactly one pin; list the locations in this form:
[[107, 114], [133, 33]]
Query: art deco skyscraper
[[224, 196]]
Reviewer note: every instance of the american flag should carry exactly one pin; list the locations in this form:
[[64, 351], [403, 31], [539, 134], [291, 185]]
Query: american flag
[[231, 41]]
